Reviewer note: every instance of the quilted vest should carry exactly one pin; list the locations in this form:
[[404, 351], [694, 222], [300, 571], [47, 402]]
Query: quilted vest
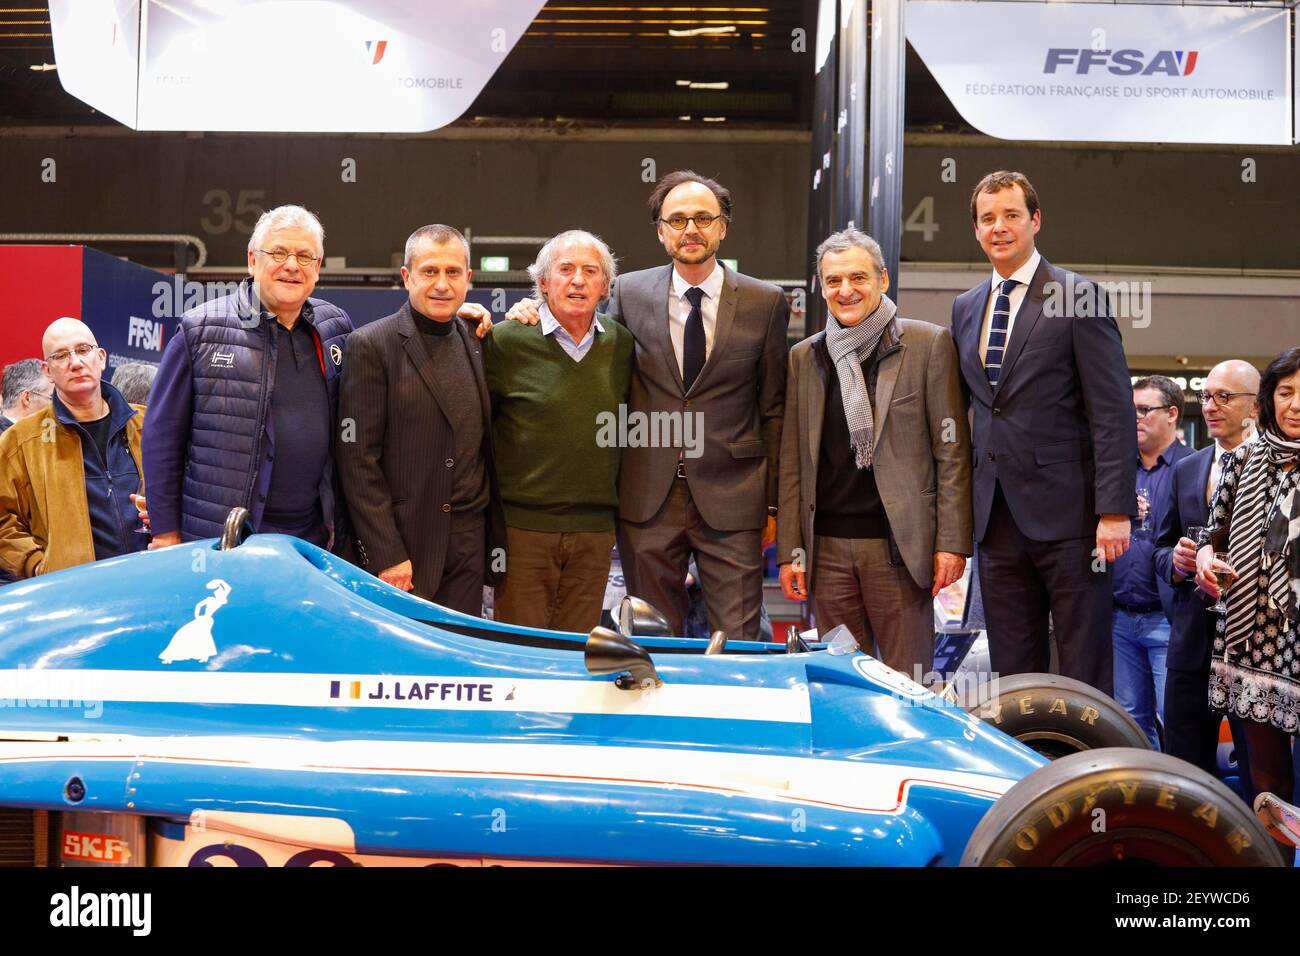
[[232, 364]]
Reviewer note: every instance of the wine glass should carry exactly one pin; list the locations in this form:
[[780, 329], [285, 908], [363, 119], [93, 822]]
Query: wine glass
[[1144, 509], [138, 500], [1223, 574]]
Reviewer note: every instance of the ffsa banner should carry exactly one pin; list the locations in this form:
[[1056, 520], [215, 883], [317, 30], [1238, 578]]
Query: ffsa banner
[[1130, 72], [283, 65]]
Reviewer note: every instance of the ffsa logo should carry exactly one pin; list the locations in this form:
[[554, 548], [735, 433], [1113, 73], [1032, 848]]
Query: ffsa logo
[[1123, 62], [377, 48], [143, 334]]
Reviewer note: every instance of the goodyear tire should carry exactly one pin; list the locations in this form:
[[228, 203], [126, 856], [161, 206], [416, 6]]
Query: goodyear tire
[[1057, 716], [1120, 806]]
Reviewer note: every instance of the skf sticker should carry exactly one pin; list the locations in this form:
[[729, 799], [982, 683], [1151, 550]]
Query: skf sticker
[[94, 848]]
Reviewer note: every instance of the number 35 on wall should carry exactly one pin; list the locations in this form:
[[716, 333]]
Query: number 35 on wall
[[243, 216]]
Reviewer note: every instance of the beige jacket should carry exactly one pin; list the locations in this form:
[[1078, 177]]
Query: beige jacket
[[44, 518]]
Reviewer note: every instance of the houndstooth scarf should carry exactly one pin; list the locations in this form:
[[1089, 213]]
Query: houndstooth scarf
[[1282, 531], [849, 346]]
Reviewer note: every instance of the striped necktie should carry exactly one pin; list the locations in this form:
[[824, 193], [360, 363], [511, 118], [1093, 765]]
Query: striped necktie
[[998, 332]]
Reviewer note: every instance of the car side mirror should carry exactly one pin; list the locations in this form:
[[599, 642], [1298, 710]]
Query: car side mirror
[[638, 618], [609, 653]]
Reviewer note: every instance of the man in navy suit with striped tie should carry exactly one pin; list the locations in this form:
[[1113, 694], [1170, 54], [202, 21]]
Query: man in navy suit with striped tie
[[1054, 444]]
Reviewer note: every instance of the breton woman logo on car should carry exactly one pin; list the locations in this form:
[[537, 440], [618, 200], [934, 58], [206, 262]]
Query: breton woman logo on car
[[193, 640]]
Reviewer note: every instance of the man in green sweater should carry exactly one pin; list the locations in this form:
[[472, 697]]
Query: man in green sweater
[[553, 385]]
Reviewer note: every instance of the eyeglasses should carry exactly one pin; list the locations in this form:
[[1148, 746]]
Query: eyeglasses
[[279, 255], [678, 223], [1219, 398], [62, 356], [43, 395], [1145, 410]]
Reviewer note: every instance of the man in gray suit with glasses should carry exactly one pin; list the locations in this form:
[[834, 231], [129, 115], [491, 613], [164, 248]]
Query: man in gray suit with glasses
[[700, 451]]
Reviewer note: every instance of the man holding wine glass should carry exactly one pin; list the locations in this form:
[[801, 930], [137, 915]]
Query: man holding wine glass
[[1144, 603], [1229, 409], [67, 471], [1252, 560]]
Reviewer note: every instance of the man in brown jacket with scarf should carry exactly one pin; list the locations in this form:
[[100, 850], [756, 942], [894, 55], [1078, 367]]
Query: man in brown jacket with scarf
[[67, 473]]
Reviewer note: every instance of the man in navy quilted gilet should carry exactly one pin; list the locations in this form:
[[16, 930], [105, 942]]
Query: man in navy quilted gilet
[[242, 410]]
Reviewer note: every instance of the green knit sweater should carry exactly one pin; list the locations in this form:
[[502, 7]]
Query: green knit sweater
[[545, 408]]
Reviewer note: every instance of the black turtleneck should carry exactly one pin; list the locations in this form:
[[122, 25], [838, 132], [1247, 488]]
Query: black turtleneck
[[453, 367], [848, 502]]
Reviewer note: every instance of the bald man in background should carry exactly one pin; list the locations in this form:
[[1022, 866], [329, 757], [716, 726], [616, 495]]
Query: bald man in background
[[1230, 409], [67, 472]]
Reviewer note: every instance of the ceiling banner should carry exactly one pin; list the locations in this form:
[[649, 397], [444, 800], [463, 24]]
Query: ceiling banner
[[1133, 72], [283, 65]]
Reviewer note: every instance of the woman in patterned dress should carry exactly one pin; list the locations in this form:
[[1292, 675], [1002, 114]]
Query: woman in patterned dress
[[1255, 517]]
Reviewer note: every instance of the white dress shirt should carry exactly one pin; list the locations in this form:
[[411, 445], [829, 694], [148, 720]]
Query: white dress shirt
[[1216, 466], [679, 309], [1023, 275], [576, 350]]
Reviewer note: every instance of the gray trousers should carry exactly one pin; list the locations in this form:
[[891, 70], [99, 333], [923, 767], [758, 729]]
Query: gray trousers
[[655, 554], [856, 584]]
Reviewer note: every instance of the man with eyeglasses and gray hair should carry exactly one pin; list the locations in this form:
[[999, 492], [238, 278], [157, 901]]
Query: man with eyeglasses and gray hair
[[68, 472], [242, 409], [25, 390]]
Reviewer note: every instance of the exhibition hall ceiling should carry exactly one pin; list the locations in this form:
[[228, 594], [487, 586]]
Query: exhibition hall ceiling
[[721, 64]]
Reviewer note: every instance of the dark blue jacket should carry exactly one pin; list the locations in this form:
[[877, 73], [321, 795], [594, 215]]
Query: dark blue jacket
[[1057, 433], [210, 445], [109, 483], [1191, 633]]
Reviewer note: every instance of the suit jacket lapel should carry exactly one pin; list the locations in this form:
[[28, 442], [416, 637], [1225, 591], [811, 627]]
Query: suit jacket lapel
[[722, 328], [814, 397], [887, 369], [415, 351], [659, 294], [1203, 483], [968, 346], [1031, 310]]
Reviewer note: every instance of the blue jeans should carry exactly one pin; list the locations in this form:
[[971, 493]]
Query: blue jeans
[[1141, 644]]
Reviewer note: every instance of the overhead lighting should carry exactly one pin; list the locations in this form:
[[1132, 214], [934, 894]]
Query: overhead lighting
[[714, 119], [696, 85], [42, 67], [685, 119], [704, 31]]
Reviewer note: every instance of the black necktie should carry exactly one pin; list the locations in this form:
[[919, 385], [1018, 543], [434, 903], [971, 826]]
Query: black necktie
[[693, 340], [998, 332]]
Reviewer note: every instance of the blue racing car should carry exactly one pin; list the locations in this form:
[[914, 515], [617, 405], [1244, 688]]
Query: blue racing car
[[260, 702]]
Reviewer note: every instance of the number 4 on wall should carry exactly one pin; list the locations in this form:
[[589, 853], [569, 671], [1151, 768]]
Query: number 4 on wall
[[922, 220]]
